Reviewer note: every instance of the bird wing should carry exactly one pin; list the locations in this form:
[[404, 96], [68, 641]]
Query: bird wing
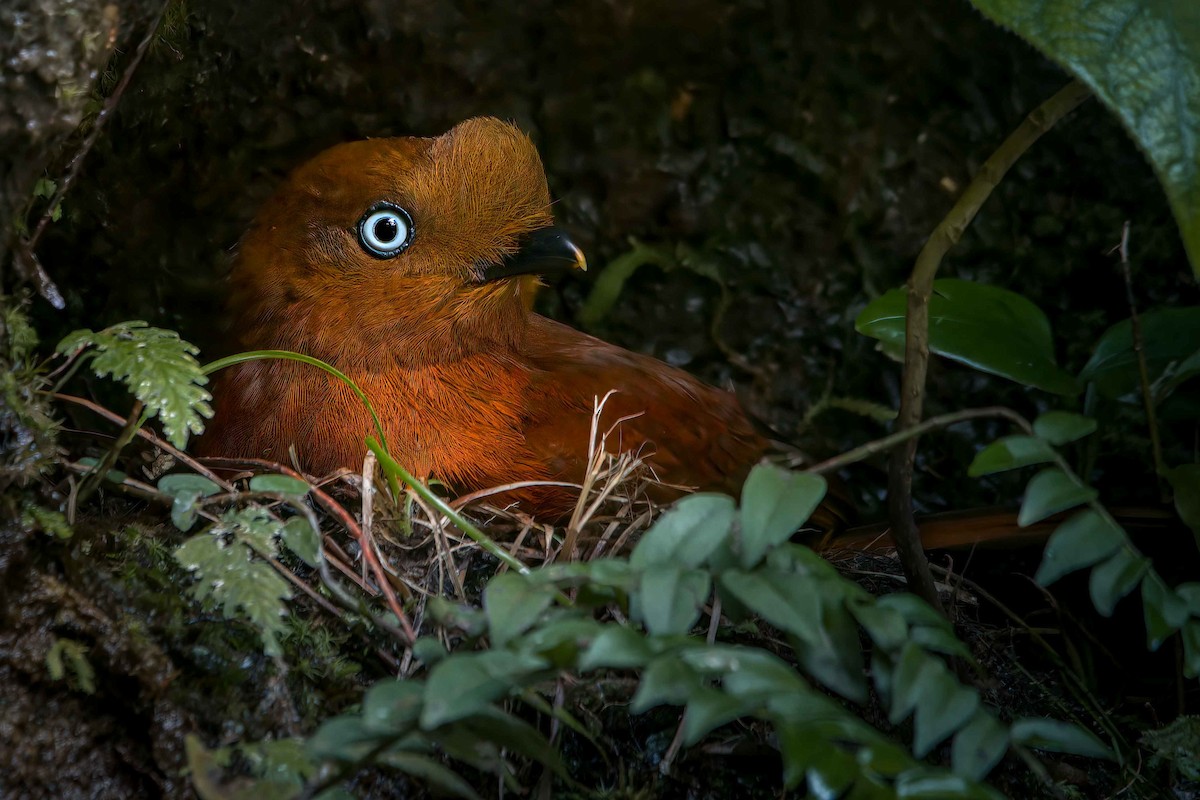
[[689, 433]]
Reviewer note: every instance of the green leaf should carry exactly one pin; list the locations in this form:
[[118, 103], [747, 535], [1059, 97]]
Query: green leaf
[[1142, 59], [1165, 611], [243, 588], [1083, 540], [686, 533], [561, 641], [830, 776], [915, 670], [1058, 737], [157, 366], [185, 489], [279, 484], [1169, 335], [616, 647], [187, 483], [1049, 492], [515, 735], [1185, 485], [669, 599], [1115, 578], [775, 503], [1008, 453], [914, 610], [788, 603], [940, 640], [392, 706], [1063, 427], [512, 604], [946, 707], [465, 683], [343, 738], [979, 746], [985, 327], [1191, 648], [430, 771], [709, 709], [836, 658], [667, 680], [923, 783], [299, 537], [884, 625]]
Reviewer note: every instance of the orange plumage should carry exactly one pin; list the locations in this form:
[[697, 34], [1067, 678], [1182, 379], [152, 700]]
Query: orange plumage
[[409, 265]]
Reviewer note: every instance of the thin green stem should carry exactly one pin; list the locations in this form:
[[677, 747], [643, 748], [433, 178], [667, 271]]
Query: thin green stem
[[916, 344], [393, 469], [288, 355]]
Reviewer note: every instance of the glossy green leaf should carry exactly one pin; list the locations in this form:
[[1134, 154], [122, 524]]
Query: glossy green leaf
[[431, 771], [940, 640], [947, 707], [801, 746], [1190, 634], [279, 484], [835, 658], [979, 746], [1049, 492], [1113, 579], [914, 610], [466, 683], [775, 503], [616, 647], [185, 490], [299, 537], [343, 738], [512, 604], [831, 775], [1058, 737], [187, 483], [686, 533], [914, 673], [667, 680], [1142, 59], [1169, 336], [923, 783], [781, 598], [1063, 427], [709, 709], [985, 327], [393, 706], [1164, 610], [884, 758], [1008, 453], [884, 625], [670, 599], [515, 735], [1185, 487], [1083, 540]]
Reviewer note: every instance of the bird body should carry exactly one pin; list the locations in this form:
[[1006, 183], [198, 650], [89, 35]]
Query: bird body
[[410, 265]]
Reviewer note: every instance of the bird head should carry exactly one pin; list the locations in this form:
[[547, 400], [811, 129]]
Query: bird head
[[421, 248]]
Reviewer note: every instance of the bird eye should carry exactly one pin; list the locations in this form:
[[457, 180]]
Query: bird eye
[[385, 230]]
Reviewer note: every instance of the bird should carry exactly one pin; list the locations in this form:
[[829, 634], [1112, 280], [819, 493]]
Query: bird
[[411, 265]]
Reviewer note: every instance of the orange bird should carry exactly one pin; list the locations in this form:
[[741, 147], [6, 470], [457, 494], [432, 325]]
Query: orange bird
[[410, 264]]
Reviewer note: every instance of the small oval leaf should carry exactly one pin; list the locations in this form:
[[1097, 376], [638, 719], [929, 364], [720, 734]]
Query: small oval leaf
[[1049, 492]]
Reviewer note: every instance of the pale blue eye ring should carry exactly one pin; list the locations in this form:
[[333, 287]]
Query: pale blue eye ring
[[386, 230]]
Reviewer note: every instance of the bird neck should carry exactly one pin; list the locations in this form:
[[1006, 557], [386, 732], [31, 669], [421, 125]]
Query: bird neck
[[428, 322]]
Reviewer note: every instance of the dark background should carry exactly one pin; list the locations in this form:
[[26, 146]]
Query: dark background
[[800, 152]]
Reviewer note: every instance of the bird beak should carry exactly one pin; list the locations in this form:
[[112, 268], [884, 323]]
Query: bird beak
[[546, 251]]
